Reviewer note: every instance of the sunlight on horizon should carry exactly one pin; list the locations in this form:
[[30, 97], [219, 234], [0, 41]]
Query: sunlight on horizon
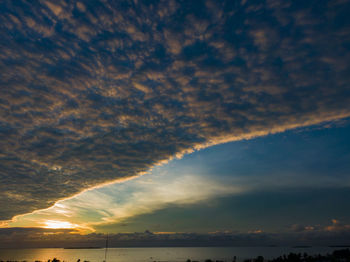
[[56, 224]]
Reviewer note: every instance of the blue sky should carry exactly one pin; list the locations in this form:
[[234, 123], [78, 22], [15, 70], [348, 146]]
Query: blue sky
[[277, 183]]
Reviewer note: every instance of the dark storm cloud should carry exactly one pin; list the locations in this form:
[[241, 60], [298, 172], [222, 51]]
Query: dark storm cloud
[[95, 91]]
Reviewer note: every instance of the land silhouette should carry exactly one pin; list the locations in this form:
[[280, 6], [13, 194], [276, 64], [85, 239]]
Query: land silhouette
[[342, 255]]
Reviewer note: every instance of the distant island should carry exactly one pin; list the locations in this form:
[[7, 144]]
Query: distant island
[[83, 247]]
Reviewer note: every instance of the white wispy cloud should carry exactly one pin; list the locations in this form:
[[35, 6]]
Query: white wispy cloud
[[118, 202]]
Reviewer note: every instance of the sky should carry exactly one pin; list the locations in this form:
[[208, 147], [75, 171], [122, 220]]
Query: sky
[[169, 121]]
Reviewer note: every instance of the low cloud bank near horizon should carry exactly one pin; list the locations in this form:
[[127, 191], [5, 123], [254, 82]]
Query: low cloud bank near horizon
[[93, 92], [336, 233]]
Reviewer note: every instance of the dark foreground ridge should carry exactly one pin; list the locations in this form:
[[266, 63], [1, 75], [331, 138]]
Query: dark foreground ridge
[[342, 255]]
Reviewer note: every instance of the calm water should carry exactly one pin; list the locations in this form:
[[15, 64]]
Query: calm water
[[153, 254]]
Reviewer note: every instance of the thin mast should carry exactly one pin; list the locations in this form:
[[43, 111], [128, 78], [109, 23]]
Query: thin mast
[[106, 249]]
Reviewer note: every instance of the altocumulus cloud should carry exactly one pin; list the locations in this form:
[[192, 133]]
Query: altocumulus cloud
[[97, 91]]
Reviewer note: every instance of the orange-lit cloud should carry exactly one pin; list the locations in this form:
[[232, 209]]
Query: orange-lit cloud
[[44, 237]]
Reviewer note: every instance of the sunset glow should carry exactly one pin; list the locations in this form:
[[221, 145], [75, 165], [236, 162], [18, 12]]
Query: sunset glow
[[55, 224]]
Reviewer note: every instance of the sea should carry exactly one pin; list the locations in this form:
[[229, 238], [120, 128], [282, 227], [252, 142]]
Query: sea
[[150, 254]]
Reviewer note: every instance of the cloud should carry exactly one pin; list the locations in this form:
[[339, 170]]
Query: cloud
[[95, 92], [133, 198], [335, 226], [174, 187], [39, 237]]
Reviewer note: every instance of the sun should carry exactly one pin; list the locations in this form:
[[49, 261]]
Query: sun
[[55, 224]]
